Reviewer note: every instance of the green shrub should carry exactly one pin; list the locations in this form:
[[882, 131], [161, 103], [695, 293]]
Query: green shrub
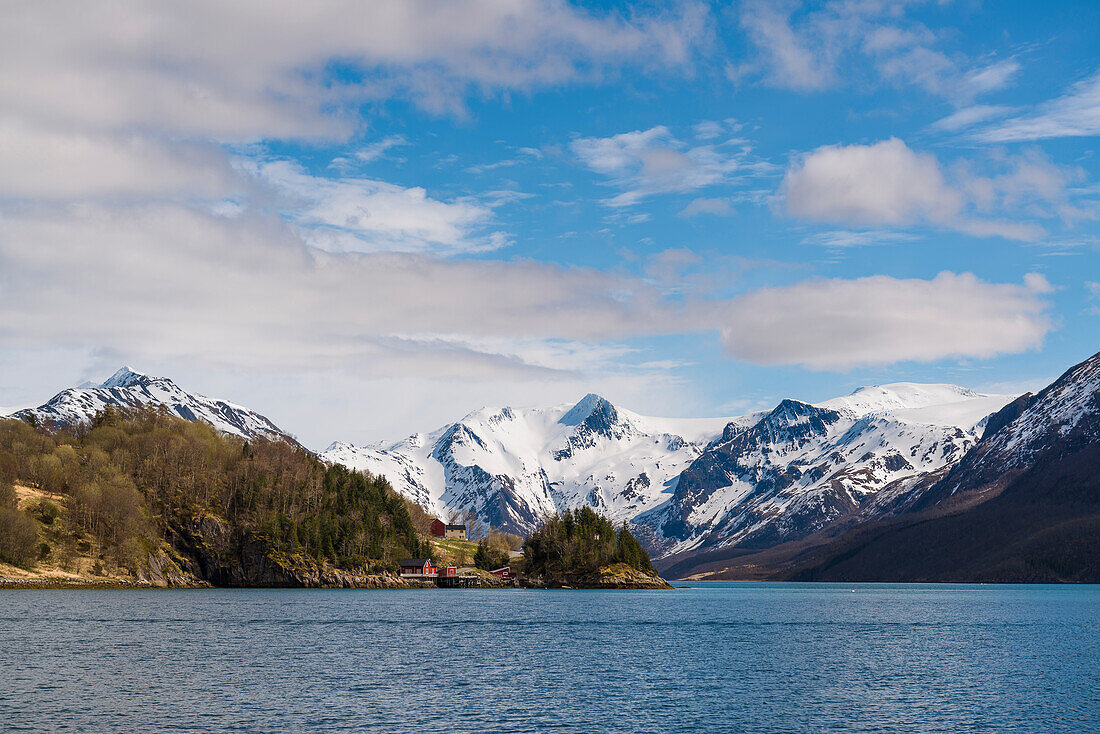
[[45, 511]]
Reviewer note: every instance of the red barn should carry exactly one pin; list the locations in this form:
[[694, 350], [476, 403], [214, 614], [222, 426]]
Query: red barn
[[438, 528], [504, 572], [418, 567]]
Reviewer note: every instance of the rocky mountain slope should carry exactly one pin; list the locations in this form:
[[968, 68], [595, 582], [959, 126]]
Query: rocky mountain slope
[[1022, 505], [129, 389], [802, 467]]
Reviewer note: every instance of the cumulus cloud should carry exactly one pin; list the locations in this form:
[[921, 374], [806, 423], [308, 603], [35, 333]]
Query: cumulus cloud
[[653, 161], [888, 183], [839, 324], [884, 183], [1074, 114]]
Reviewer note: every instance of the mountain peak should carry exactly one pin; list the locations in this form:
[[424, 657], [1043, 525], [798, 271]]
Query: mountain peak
[[128, 389], [585, 407], [124, 377]]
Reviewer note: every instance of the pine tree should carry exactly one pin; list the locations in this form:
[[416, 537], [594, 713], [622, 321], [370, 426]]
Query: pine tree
[[482, 559]]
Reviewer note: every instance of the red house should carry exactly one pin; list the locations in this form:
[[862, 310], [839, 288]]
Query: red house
[[439, 529], [418, 568], [504, 572]]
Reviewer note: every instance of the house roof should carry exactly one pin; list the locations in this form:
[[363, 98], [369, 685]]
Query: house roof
[[456, 527], [415, 561]]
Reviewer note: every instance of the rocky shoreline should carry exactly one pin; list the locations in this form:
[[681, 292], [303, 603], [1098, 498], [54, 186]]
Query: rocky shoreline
[[337, 580], [616, 576]]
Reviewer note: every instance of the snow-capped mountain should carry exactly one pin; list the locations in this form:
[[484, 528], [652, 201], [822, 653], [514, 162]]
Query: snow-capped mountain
[[1032, 431], [694, 483], [129, 389], [512, 467], [1022, 506], [803, 466]]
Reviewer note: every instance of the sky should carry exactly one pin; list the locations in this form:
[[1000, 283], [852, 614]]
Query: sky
[[369, 219]]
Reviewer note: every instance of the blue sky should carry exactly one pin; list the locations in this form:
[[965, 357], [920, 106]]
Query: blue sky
[[370, 219]]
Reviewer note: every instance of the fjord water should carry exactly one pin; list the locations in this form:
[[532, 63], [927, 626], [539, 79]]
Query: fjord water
[[716, 657]]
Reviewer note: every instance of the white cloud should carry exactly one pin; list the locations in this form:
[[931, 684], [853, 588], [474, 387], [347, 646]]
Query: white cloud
[[888, 183], [839, 324], [844, 239], [1027, 183], [648, 162], [1075, 114], [170, 284], [884, 183], [39, 162], [379, 148], [258, 69], [167, 282], [717, 207], [991, 78], [136, 98], [1093, 290], [969, 116], [939, 74], [837, 43], [790, 58], [523, 155], [366, 215], [708, 129]]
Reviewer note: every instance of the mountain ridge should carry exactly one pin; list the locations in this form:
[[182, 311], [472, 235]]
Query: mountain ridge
[[128, 388], [513, 466]]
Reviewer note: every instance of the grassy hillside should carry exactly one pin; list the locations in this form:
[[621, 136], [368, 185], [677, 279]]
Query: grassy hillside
[[453, 552]]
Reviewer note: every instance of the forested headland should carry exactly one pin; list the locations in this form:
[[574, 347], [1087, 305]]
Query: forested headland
[[154, 497]]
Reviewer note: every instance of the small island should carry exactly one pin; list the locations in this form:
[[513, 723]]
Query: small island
[[582, 550]]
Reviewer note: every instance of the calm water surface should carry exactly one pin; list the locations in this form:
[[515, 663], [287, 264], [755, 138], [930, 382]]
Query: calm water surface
[[717, 657]]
